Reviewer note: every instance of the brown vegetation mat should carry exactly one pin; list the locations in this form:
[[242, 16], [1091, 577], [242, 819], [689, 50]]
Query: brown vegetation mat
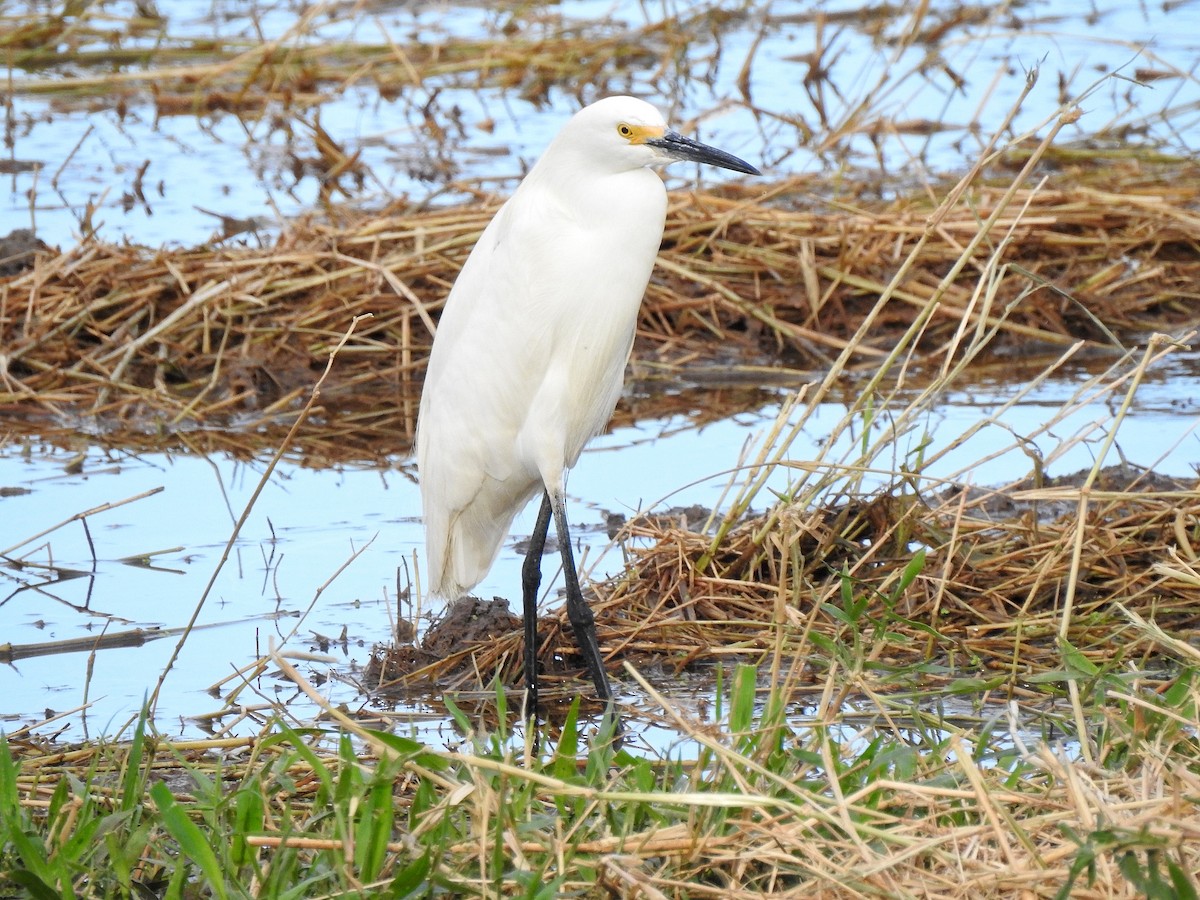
[[997, 593], [160, 342]]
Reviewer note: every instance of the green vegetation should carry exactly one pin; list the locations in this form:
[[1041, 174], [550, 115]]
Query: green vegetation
[[762, 801]]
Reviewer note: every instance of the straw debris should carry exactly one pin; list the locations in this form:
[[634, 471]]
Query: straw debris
[[986, 604], [168, 342]]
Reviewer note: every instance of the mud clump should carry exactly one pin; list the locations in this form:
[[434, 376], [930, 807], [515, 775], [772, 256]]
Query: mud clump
[[17, 250], [469, 620]]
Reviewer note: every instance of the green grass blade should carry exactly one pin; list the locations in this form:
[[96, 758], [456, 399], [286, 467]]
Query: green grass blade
[[132, 785], [190, 838]]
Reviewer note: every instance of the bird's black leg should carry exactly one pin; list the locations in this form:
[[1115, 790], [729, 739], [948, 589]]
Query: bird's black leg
[[531, 580], [580, 614]]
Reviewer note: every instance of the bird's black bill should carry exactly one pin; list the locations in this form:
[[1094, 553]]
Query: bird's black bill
[[677, 146]]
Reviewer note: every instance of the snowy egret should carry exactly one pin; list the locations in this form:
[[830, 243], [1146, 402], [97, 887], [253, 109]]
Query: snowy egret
[[530, 352]]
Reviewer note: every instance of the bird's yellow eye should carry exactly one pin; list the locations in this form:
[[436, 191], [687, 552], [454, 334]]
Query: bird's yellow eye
[[625, 131]]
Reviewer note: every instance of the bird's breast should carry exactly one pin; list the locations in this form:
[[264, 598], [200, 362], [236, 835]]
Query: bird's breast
[[582, 294]]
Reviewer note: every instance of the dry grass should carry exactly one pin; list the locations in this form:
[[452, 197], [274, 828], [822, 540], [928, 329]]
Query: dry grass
[[767, 808], [166, 340], [989, 604]]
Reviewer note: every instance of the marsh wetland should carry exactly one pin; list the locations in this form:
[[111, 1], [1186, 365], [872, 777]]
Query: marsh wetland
[[892, 543]]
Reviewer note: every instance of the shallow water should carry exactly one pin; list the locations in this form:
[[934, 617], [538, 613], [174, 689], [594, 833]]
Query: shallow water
[[145, 564], [167, 179]]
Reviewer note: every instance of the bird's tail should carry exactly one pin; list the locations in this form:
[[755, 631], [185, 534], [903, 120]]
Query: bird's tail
[[462, 546]]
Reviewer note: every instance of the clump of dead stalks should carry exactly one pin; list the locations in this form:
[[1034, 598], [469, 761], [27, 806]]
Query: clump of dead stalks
[[167, 340], [997, 590]]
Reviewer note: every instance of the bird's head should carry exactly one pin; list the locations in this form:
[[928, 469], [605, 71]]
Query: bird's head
[[626, 133]]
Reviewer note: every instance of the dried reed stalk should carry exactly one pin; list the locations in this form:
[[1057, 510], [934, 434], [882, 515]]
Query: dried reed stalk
[[166, 340]]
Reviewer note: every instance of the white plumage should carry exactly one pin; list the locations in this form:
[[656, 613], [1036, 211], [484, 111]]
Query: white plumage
[[531, 349]]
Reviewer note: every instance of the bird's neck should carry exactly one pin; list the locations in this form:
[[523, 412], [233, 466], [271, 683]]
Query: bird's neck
[[584, 193]]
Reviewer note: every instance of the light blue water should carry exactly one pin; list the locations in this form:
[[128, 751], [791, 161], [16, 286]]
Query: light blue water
[[242, 166], [308, 523]]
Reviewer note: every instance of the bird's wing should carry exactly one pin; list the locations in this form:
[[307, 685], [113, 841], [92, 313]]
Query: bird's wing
[[478, 385], [529, 360]]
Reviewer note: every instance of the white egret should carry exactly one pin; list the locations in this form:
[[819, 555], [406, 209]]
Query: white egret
[[530, 352]]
